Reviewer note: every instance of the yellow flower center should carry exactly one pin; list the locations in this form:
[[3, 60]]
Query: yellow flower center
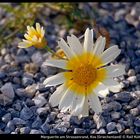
[[84, 75]]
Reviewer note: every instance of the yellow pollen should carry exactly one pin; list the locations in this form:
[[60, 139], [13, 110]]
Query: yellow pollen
[[84, 75]]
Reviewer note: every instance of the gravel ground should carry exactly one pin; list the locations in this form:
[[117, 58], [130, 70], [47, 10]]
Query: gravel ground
[[24, 107]]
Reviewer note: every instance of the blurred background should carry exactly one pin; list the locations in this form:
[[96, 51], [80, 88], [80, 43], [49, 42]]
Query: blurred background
[[65, 17], [24, 107]]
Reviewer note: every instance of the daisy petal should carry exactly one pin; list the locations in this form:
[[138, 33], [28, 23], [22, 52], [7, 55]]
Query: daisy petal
[[80, 100], [63, 45], [85, 111], [66, 100], [113, 85], [95, 103], [55, 80], [99, 45], [56, 63], [88, 40], [75, 44], [35, 39], [101, 90], [42, 32], [110, 54], [27, 37], [115, 70], [38, 28], [57, 95], [24, 45]]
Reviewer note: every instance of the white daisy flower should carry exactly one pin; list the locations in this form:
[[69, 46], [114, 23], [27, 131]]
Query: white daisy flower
[[34, 37], [86, 76]]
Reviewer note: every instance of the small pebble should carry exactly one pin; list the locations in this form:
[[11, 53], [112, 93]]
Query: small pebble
[[101, 131], [25, 130], [34, 131], [99, 121], [132, 80], [6, 118], [39, 100], [137, 122], [26, 113], [115, 115], [120, 127], [79, 131], [37, 123], [18, 121], [110, 126], [131, 72], [134, 111]]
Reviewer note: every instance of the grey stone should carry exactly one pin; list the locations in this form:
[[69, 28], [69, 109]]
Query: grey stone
[[73, 120], [26, 113], [8, 58], [20, 92], [101, 131], [18, 121], [129, 131], [20, 52], [37, 58], [130, 119], [30, 50], [138, 77], [110, 126], [2, 125], [123, 97], [120, 127], [2, 75], [99, 121], [61, 130], [137, 130], [134, 111], [115, 115], [53, 131], [39, 100], [48, 70], [93, 131], [1, 132], [29, 102], [6, 118], [22, 59], [134, 103], [137, 52], [79, 131], [34, 131], [137, 122], [114, 105], [4, 100], [17, 106], [62, 124], [25, 130], [3, 51], [42, 110], [113, 132], [137, 69], [132, 80], [30, 90], [61, 115], [65, 118], [26, 81], [131, 72], [45, 127], [8, 90], [10, 125], [37, 123]]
